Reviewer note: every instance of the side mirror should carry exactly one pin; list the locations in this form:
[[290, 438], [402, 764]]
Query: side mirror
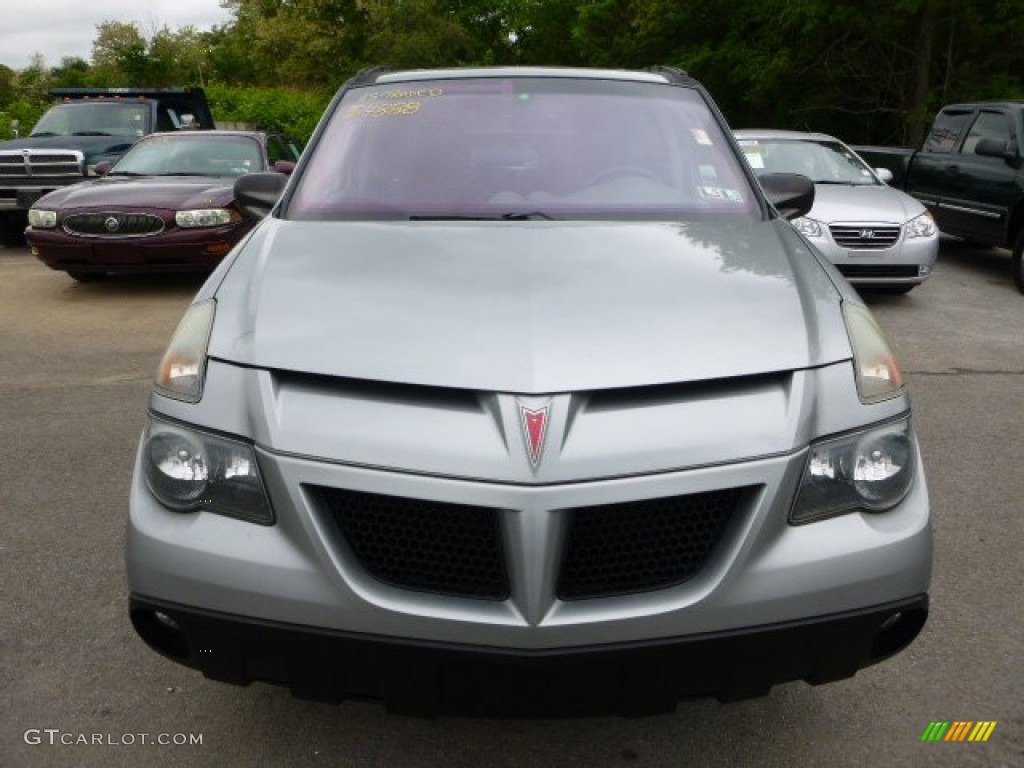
[[990, 147], [790, 193], [884, 174], [103, 167], [283, 166], [257, 193]]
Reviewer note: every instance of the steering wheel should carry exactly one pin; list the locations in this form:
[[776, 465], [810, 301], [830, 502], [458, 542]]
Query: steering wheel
[[616, 171]]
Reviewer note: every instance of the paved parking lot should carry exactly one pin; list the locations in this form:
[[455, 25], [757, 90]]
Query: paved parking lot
[[75, 365]]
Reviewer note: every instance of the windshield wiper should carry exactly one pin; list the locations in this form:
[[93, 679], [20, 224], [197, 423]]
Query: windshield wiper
[[502, 217], [527, 216], [91, 133], [42, 133]]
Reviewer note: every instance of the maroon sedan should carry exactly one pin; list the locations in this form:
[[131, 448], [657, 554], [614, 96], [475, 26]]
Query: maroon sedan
[[166, 206]]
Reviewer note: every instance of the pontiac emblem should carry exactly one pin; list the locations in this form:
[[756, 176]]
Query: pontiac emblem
[[535, 427], [111, 224]]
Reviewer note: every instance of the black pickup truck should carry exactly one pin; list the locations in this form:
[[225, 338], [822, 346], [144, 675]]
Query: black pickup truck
[[969, 173], [84, 127]]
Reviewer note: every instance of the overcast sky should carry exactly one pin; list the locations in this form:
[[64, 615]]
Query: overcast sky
[[59, 28]]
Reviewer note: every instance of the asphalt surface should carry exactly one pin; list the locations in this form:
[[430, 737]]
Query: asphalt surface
[[75, 366]]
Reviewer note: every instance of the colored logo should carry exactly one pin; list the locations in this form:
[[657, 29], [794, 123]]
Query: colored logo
[[958, 730], [535, 427]]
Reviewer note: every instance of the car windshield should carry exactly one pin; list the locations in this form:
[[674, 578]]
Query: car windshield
[[92, 119], [191, 154], [823, 161], [522, 147]]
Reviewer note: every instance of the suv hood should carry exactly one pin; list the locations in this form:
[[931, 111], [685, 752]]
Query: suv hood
[[528, 307]]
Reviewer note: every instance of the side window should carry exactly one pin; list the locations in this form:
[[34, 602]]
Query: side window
[[989, 125], [279, 148], [946, 129]]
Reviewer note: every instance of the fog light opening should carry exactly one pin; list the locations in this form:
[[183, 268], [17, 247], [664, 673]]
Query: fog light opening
[[161, 633], [896, 633]]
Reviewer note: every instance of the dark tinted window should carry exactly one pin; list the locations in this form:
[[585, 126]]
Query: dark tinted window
[[492, 147], [946, 129], [988, 125]]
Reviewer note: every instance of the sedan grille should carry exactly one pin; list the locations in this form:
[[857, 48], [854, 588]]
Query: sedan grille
[[458, 549], [429, 546], [865, 236], [113, 224], [25, 164], [641, 546]]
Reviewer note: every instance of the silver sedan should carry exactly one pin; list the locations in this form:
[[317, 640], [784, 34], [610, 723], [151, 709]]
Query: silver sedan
[[875, 235]]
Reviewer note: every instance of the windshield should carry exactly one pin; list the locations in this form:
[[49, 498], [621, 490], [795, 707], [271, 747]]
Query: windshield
[[191, 154], [822, 161], [92, 119], [518, 147]]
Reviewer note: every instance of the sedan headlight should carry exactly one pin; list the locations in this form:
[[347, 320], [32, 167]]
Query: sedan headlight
[[921, 226], [808, 227], [41, 219], [205, 217], [183, 366], [188, 470], [871, 470]]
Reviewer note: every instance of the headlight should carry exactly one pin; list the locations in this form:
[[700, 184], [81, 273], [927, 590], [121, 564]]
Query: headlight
[[42, 219], [183, 366], [878, 374], [187, 470], [205, 217], [922, 226], [808, 227], [870, 470]]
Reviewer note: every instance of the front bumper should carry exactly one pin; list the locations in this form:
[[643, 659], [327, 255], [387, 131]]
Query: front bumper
[[429, 678], [909, 261], [196, 250]]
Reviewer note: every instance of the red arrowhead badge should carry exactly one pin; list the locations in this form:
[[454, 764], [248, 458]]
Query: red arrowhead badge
[[535, 427]]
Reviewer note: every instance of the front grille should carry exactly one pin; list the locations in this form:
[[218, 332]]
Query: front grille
[[640, 546], [862, 271], [113, 224], [429, 546], [865, 236], [45, 163]]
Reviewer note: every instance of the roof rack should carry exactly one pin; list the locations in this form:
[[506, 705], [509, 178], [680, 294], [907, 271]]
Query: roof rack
[[672, 74]]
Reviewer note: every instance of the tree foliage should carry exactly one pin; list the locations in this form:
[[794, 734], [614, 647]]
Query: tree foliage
[[868, 71]]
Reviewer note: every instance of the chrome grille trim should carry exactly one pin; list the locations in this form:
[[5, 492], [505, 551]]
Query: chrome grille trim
[[46, 163], [99, 224], [865, 236]]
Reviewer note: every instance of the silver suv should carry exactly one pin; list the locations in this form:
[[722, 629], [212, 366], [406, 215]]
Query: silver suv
[[525, 398]]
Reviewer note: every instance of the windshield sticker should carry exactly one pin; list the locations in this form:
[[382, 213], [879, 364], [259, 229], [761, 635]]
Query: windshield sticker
[[387, 109], [748, 142], [701, 136], [754, 156], [390, 103], [720, 193], [403, 94]]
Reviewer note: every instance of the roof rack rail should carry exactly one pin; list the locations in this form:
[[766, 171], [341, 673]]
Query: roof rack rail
[[368, 75], [672, 74]]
